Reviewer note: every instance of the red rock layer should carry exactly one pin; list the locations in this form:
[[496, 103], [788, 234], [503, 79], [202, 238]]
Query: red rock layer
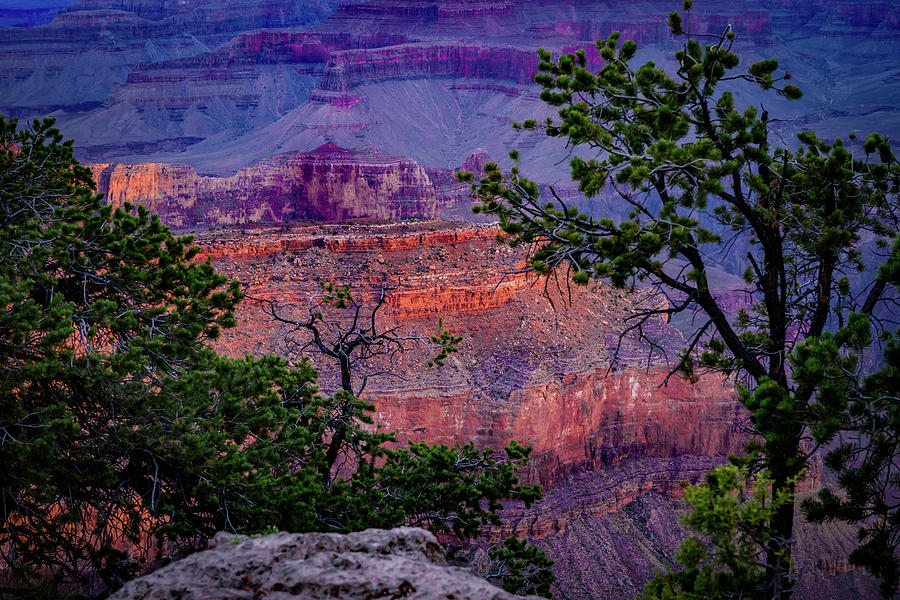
[[536, 366], [589, 420], [612, 445]]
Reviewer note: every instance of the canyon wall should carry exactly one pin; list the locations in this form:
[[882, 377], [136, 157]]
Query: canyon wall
[[326, 184], [36, 12], [352, 68], [76, 60], [611, 530], [427, 9], [538, 363], [613, 440], [204, 19], [221, 86]]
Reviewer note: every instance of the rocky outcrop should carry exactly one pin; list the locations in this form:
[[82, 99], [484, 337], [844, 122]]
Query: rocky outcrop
[[326, 184], [375, 563]]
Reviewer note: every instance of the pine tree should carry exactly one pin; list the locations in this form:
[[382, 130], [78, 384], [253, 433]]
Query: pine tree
[[702, 179], [120, 427], [126, 440]]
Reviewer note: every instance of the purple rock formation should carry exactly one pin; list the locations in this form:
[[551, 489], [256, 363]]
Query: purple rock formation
[[431, 80], [37, 12], [349, 69], [610, 532], [326, 184], [75, 61]]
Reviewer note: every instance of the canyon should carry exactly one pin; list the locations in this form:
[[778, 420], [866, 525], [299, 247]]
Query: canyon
[[541, 362], [222, 87], [310, 141]]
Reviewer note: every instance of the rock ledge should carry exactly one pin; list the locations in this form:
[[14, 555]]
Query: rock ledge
[[398, 563]]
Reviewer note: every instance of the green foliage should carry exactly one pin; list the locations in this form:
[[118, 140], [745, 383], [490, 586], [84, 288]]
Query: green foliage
[[734, 512], [446, 342], [863, 414], [121, 428], [127, 440], [521, 567], [695, 169], [454, 490], [865, 461]]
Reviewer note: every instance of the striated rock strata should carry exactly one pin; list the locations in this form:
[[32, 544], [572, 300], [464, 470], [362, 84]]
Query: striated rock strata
[[74, 62], [375, 563], [611, 530], [201, 83], [613, 446], [537, 364], [326, 184], [352, 68]]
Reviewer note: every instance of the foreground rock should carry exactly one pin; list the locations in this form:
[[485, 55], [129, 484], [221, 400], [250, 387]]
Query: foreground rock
[[398, 563]]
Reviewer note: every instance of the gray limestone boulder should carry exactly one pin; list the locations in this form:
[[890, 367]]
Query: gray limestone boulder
[[403, 563]]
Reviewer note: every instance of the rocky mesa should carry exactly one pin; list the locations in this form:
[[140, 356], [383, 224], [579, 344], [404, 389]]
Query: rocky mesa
[[326, 184]]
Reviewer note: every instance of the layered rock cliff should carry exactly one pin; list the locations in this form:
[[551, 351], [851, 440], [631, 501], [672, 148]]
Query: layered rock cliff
[[204, 19], [427, 9], [36, 12], [199, 83], [541, 363], [352, 68], [611, 530], [326, 184], [74, 62]]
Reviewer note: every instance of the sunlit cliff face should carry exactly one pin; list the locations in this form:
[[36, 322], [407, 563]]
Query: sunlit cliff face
[[327, 184], [541, 361], [538, 363]]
